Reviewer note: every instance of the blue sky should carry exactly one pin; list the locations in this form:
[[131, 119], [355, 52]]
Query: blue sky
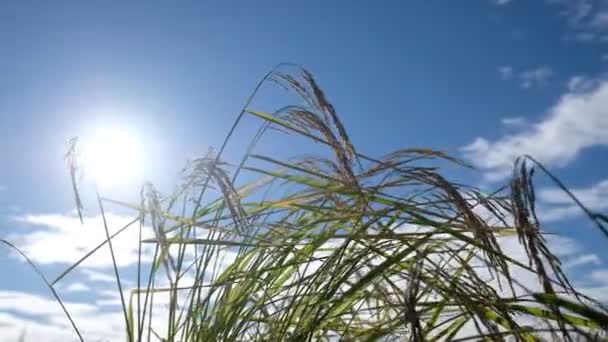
[[482, 80]]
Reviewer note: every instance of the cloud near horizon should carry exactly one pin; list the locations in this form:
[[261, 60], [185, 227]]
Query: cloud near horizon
[[41, 318]]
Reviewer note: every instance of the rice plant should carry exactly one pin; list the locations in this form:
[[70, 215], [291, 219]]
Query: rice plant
[[341, 246]]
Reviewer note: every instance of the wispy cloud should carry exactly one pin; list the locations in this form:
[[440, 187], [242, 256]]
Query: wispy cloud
[[587, 19], [516, 122], [585, 259], [573, 256], [77, 287], [31, 304], [100, 277], [536, 77], [582, 84], [594, 196], [42, 319], [556, 205], [59, 238], [506, 72], [597, 284], [578, 121]]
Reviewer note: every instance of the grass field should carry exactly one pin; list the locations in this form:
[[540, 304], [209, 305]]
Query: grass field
[[351, 247]]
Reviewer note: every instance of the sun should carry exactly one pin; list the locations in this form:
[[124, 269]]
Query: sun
[[112, 156]]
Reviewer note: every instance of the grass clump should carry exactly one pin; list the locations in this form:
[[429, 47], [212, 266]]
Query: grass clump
[[347, 247]]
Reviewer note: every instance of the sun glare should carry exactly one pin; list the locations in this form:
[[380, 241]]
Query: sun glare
[[112, 156]]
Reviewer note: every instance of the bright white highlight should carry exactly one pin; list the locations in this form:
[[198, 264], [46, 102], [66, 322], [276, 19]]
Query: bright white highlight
[[112, 156]]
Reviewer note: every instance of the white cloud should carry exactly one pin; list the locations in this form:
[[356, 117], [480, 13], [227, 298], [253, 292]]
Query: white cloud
[[46, 321], [600, 293], [573, 257], [585, 259], [552, 214], [58, 238], [536, 77], [13, 327], [49, 323], [600, 21], [95, 276], [557, 205], [42, 319], [585, 36], [595, 196], [77, 287], [108, 302], [597, 285], [110, 298], [514, 122], [578, 121], [576, 12], [582, 84], [563, 247], [600, 276], [506, 72], [587, 19], [35, 305], [572, 254]]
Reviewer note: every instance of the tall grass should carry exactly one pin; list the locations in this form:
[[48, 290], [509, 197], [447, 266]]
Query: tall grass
[[348, 247]]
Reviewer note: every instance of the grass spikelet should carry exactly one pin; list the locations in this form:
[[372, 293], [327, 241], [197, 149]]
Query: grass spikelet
[[72, 160]]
